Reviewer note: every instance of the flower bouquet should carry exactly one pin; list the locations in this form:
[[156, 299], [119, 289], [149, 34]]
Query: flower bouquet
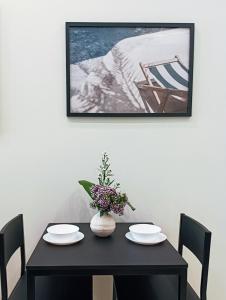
[[106, 198]]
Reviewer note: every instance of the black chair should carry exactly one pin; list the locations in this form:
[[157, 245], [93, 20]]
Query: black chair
[[197, 239], [47, 288]]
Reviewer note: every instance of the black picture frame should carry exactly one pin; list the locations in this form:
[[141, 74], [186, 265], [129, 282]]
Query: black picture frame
[[160, 26]]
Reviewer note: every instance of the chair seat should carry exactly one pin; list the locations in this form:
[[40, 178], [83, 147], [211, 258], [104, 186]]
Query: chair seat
[[156, 287], [55, 288]]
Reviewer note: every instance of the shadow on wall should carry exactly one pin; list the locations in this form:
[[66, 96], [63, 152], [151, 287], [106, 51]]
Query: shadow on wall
[[75, 209], [1, 75]]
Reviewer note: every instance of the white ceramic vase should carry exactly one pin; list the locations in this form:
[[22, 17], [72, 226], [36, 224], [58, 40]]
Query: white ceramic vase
[[102, 226]]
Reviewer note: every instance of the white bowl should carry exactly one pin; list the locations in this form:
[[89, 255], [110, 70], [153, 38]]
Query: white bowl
[[144, 231], [63, 231]]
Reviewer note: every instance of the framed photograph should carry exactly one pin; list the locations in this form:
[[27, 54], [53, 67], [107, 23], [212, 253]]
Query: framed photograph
[[129, 69]]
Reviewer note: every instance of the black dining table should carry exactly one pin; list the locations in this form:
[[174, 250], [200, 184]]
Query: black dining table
[[114, 255]]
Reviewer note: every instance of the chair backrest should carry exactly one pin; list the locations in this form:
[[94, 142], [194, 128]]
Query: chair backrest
[[170, 74], [11, 238], [197, 239]]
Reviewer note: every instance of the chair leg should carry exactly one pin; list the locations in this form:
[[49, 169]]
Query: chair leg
[[164, 99]]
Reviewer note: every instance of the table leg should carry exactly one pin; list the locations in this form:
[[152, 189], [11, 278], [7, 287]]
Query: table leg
[[114, 297], [30, 286], [182, 285]]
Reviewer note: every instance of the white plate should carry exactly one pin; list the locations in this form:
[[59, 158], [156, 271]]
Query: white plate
[[159, 238], [61, 229], [49, 238]]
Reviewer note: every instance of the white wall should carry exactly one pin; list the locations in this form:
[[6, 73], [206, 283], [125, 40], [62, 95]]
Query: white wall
[[166, 166]]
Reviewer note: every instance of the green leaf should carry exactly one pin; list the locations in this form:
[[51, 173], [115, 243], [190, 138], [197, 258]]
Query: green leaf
[[87, 185], [130, 205]]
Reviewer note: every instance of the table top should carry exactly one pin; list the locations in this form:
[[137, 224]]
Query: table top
[[105, 255]]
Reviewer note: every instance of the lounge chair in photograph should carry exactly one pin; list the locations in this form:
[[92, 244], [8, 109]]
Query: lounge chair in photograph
[[165, 88]]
